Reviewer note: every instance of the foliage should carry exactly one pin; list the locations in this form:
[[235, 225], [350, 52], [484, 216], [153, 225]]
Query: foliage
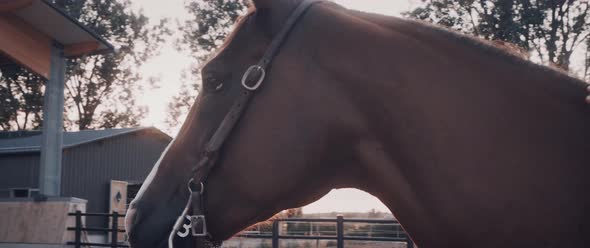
[[21, 99], [212, 22], [181, 103], [293, 213], [550, 31], [100, 90]]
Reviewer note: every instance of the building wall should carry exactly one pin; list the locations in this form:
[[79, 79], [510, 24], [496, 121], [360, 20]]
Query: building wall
[[25, 221], [88, 169], [18, 171]]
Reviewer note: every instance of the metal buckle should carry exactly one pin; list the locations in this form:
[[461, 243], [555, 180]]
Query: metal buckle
[[190, 189], [195, 219], [247, 74]]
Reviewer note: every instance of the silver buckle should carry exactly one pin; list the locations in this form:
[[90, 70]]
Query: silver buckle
[[260, 79], [195, 219]]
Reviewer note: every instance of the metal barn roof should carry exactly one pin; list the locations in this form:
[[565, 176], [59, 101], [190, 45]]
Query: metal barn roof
[[30, 141]]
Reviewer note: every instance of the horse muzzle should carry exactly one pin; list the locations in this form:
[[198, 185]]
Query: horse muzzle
[[145, 228]]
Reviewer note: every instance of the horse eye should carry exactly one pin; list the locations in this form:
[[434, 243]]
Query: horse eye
[[219, 87], [215, 84]]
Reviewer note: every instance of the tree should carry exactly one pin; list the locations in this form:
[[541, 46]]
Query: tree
[[21, 99], [294, 213], [211, 22], [550, 31], [181, 103], [374, 214], [100, 89]]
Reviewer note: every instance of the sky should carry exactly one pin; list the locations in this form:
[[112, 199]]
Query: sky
[[169, 65]]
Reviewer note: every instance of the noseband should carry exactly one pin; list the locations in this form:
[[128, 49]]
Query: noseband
[[255, 73]]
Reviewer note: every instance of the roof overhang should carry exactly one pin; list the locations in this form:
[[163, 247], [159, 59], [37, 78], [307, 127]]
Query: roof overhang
[[30, 141], [31, 28]]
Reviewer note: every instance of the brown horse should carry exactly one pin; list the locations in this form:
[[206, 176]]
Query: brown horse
[[468, 146]]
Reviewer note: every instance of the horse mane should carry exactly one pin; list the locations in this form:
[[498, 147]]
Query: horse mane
[[499, 49], [505, 50], [237, 25], [510, 48]]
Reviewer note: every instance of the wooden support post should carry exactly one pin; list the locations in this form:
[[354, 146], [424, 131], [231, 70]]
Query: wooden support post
[[340, 231], [52, 139]]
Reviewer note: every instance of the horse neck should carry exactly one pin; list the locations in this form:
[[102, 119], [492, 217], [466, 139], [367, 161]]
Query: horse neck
[[368, 68], [408, 77], [418, 104]]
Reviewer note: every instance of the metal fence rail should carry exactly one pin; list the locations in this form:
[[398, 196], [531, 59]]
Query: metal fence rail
[[113, 230], [340, 237], [338, 234]]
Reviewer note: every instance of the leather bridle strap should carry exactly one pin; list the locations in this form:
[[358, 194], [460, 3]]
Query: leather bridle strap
[[239, 105], [255, 73]]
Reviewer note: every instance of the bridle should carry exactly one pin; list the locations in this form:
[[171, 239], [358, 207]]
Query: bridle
[[196, 186]]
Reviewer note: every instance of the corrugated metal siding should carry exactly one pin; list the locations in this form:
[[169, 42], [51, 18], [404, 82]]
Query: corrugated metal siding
[[19, 171], [88, 169]]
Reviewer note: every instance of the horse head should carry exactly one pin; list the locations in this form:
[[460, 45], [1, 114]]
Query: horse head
[[458, 138], [264, 164]]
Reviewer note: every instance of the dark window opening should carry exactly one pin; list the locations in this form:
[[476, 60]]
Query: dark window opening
[[20, 193], [24, 193]]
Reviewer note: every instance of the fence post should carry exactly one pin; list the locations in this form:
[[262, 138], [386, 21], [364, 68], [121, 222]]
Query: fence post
[[78, 231], [115, 230], [340, 231], [275, 234]]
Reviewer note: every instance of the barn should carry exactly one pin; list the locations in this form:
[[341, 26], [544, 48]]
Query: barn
[[94, 163]]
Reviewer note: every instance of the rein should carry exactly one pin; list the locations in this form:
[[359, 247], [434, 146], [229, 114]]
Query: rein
[[198, 223]]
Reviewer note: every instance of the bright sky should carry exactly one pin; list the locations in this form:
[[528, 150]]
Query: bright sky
[[169, 65]]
